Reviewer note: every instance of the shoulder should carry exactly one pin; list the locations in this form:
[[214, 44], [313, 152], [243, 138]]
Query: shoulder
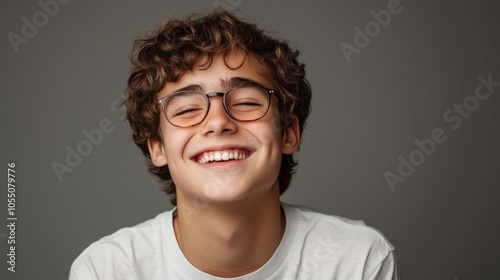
[[333, 240], [347, 231], [115, 253]]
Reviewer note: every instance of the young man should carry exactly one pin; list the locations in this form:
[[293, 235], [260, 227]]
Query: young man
[[218, 107]]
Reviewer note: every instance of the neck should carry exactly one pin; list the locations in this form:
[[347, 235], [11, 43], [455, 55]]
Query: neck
[[244, 235]]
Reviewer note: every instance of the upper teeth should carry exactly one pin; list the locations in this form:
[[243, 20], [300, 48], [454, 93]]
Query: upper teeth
[[222, 155]]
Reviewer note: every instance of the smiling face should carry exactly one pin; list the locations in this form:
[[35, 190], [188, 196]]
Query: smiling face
[[222, 159]]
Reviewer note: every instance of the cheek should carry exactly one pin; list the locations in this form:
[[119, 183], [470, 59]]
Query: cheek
[[274, 120], [270, 129], [268, 134], [175, 141]]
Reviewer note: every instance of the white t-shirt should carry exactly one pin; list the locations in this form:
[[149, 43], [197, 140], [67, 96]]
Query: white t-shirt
[[314, 246]]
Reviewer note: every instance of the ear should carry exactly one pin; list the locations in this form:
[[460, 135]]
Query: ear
[[157, 152], [291, 137]]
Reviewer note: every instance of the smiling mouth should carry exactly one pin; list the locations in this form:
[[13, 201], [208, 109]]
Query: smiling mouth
[[225, 155]]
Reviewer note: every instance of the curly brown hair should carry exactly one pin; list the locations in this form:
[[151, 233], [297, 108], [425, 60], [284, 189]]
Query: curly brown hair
[[179, 46]]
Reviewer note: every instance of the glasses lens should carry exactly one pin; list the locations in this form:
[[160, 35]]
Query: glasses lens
[[185, 108], [247, 103]]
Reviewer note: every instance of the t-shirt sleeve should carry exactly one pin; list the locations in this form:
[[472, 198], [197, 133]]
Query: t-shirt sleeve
[[386, 270]]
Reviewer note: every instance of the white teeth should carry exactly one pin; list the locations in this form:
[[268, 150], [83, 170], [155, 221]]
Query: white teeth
[[235, 154], [217, 157]]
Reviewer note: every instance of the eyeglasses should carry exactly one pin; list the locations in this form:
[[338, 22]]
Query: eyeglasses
[[244, 103]]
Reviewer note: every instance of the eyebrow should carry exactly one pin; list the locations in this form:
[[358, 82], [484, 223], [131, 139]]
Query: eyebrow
[[234, 82], [226, 85], [193, 87]]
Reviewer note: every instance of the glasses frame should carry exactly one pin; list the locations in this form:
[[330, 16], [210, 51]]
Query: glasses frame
[[164, 100]]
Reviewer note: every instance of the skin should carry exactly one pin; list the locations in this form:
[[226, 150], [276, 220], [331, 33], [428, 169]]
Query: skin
[[229, 221]]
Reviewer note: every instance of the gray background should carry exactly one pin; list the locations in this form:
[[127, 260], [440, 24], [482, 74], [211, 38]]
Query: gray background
[[443, 220]]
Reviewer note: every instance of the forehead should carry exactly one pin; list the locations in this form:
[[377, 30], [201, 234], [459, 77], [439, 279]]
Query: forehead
[[222, 68]]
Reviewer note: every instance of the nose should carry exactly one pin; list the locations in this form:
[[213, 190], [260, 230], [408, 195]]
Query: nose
[[217, 121]]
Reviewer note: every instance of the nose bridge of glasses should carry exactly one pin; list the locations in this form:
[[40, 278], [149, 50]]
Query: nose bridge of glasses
[[215, 94]]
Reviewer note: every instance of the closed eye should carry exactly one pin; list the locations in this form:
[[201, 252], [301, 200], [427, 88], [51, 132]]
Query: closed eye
[[187, 111], [247, 103]]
